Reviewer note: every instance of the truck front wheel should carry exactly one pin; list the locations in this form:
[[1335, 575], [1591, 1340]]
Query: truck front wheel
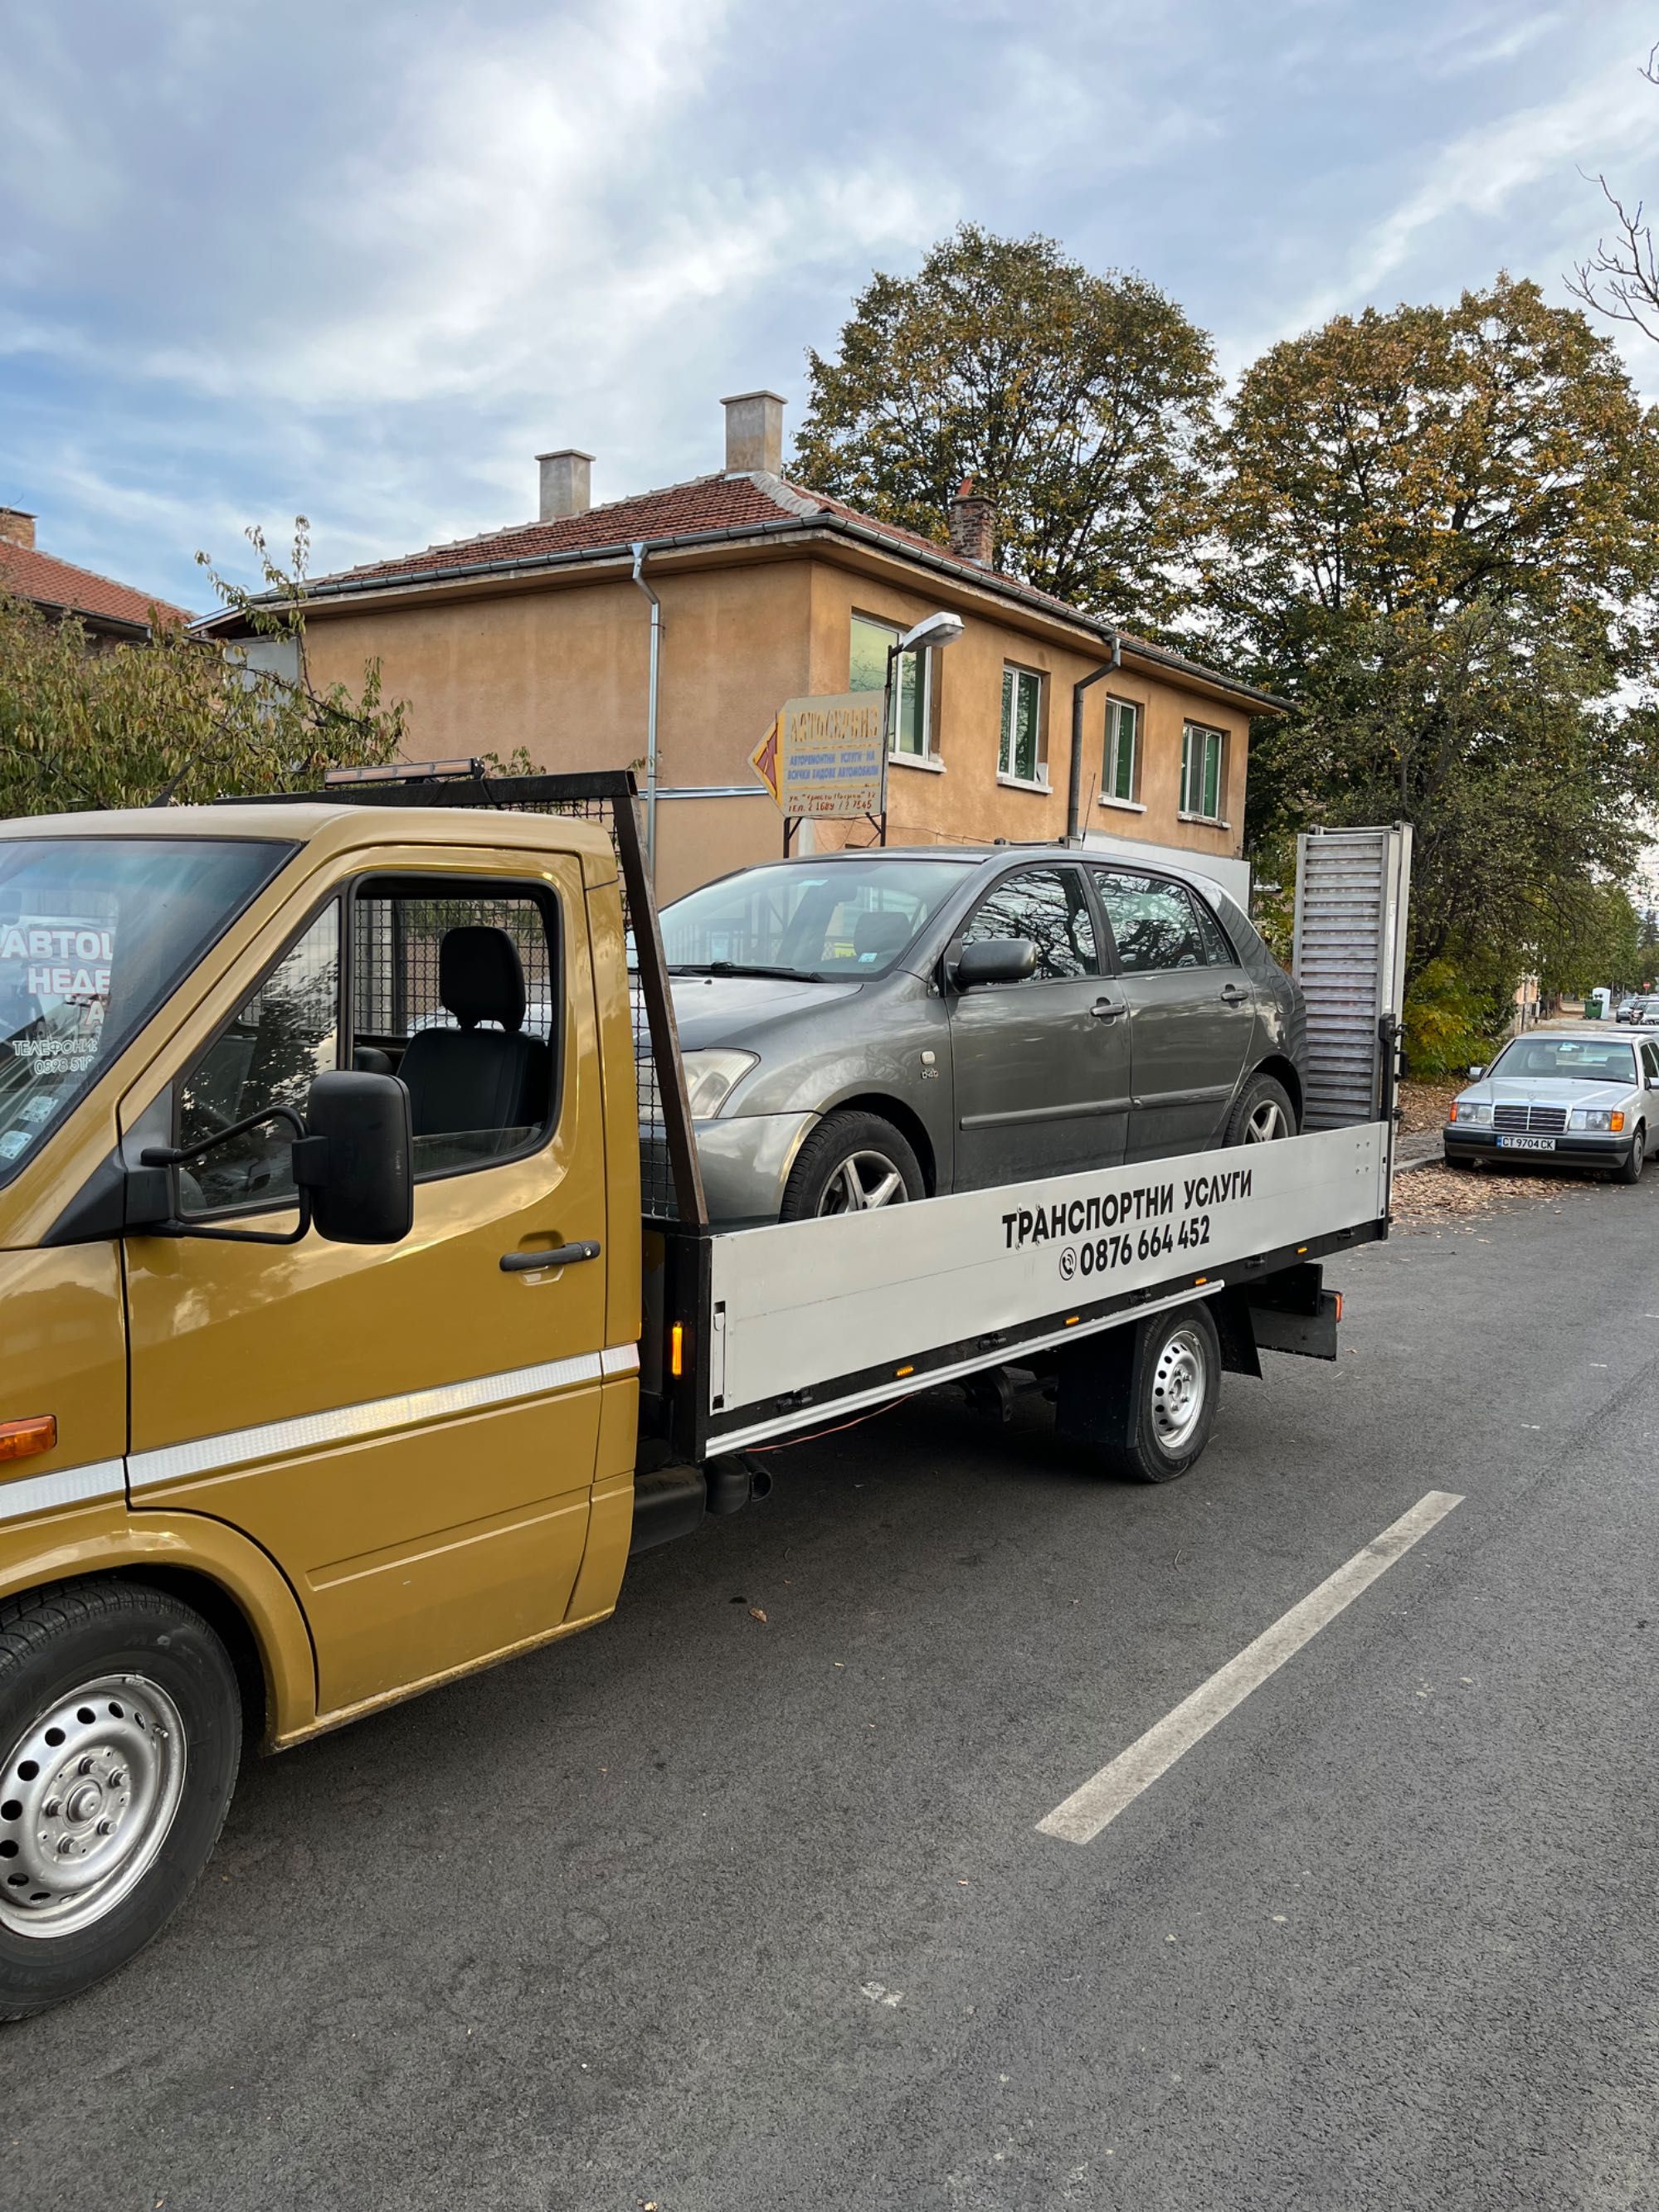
[[120, 1731]]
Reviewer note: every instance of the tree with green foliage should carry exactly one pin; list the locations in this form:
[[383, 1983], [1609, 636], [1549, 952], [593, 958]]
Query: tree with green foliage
[[1439, 537], [178, 717], [1077, 402]]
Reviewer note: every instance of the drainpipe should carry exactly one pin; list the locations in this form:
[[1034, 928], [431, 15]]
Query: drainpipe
[[1074, 791], [651, 713]]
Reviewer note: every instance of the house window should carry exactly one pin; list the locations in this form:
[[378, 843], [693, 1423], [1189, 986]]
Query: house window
[[1122, 765], [1200, 773], [1022, 756], [910, 717]]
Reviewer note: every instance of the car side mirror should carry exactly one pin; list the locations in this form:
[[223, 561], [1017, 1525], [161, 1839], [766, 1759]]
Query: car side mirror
[[994, 960], [1475, 1074], [356, 1160]]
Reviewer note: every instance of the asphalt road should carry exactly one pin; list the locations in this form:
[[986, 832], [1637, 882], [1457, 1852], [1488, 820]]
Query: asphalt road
[[711, 1913]]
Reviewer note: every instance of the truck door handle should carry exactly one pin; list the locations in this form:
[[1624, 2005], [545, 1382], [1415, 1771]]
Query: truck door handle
[[1232, 996], [1108, 1010], [558, 1255]]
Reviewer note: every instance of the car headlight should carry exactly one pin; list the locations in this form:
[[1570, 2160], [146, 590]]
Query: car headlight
[[711, 1076], [1476, 1116], [1595, 1117]]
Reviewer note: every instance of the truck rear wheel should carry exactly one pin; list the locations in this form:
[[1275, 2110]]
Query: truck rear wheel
[[1175, 1380], [120, 1731]]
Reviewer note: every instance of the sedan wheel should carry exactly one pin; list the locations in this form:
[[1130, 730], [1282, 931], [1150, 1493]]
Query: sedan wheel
[[1261, 1114], [868, 1179], [853, 1162], [1266, 1123]]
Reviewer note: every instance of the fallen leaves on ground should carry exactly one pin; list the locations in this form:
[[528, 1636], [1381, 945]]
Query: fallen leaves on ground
[[1424, 1106], [1439, 1197], [756, 1613]]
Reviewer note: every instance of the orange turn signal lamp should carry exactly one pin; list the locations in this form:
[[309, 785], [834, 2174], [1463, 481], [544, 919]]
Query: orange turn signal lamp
[[23, 1439], [676, 1349]]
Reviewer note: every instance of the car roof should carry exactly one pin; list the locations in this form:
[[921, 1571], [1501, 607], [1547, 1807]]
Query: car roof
[[1592, 1033]]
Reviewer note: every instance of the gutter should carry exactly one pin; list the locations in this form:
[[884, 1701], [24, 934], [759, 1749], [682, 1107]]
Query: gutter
[[640, 550], [988, 580], [1074, 781]]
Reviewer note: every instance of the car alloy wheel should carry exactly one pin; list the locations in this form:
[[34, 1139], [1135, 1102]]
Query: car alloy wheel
[[1266, 1123], [863, 1181]]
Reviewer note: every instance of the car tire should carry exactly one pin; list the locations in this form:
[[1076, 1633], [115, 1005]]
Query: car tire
[[1176, 1382], [850, 1153], [1630, 1169], [1261, 1112], [1457, 1160], [134, 1697]]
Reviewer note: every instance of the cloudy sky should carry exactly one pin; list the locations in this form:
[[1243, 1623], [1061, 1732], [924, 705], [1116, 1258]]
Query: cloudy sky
[[365, 260]]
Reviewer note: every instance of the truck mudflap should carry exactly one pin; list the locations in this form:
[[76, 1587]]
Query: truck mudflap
[[1292, 1311]]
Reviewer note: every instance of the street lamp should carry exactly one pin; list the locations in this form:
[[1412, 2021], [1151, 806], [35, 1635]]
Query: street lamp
[[941, 628]]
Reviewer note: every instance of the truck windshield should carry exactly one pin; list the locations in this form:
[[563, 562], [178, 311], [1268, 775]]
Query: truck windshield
[[95, 932], [1565, 1060], [813, 918]]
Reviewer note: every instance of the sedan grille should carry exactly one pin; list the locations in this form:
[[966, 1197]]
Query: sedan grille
[[1538, 1121]]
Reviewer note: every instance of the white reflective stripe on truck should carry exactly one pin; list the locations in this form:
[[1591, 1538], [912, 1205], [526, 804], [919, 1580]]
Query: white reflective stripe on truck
[[64, 1486]]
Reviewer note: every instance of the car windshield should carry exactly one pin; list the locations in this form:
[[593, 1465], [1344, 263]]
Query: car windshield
[[1565, 1060], [93, 933], [814, 918]]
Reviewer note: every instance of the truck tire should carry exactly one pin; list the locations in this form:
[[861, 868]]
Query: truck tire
[[1262, 1113], [1630, 1169], [851, 1163], [120, 1731], [1177, 1378]]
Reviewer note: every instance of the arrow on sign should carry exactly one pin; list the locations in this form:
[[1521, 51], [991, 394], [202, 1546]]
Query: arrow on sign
[[764, 760]]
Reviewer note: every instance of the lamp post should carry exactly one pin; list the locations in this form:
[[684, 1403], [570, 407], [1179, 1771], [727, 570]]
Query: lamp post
[[935, 630]]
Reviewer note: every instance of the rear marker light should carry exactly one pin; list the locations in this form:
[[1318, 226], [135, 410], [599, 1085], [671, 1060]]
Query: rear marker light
[[1339, 1305], [676, 1349], [23, 1439], [899, 1373]]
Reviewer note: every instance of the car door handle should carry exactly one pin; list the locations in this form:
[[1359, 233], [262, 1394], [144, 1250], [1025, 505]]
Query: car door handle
[[1108, 1010], [556, 1255], [1232, 996]]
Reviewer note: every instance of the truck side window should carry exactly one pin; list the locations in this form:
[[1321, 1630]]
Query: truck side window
[[287, 1032], [456, 989]]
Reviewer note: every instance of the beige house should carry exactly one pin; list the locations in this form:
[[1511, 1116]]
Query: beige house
[[540, 635]]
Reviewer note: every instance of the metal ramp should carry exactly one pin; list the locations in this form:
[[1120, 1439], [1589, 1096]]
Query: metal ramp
[[1349, 959]]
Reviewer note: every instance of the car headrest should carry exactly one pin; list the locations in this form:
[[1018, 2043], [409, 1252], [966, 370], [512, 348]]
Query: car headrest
[[481, 977], [881, 934]]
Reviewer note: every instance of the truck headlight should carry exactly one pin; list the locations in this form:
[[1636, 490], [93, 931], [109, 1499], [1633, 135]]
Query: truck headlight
[[711, 1076], [1595, 1117], [1476, 1116]]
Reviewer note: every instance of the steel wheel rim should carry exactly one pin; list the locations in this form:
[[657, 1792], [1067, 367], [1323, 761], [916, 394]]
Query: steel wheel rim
[[1266, 1124], [88, 1795], [1179, 1388], [864, 1180]]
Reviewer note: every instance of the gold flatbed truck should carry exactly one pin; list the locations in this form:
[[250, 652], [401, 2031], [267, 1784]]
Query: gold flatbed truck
[[359, 1312]]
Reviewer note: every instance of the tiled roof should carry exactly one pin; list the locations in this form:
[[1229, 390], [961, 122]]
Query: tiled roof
[[53, 583]]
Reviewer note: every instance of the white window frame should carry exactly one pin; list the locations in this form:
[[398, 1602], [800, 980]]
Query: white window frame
[[1201, 812], [1109, 795], [1010, 719], [928, 756]]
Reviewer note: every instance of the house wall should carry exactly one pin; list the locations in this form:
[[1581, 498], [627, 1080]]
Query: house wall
[[561, 668]]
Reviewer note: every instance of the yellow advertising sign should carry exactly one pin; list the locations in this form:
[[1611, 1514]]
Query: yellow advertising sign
[[826, 758]]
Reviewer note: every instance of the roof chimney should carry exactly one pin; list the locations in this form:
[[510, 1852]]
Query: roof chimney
[[971, 531], [567, 484], [17, 527], [754, 433]]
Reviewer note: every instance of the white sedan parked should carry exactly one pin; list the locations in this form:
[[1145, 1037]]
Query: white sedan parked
[[1575, 1098]]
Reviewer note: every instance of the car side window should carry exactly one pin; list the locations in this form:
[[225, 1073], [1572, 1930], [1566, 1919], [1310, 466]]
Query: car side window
[[1155, 923], [1050, 907], [1650, 1066], [1217, 946], [286, 1033], [457, 988]]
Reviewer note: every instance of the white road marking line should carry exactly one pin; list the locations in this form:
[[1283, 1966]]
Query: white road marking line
[[1104, 1796]]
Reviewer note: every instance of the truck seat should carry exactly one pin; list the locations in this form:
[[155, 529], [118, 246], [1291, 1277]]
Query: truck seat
[[471, 1078]]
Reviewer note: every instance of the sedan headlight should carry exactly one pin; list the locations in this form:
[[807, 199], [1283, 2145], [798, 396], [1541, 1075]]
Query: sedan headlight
[[711, 1076], [1476, 1116], [1595, 1117]]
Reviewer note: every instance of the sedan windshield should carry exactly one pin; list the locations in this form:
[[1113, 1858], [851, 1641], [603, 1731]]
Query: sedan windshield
[[93, 933], [808, 918], [1565, 1060]]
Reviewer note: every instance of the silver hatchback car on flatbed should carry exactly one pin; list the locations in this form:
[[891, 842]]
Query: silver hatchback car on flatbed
[[1581, 1098]]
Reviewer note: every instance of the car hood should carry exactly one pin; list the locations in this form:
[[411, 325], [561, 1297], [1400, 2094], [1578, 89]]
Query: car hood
[[732, 1010], [1522, 1091]]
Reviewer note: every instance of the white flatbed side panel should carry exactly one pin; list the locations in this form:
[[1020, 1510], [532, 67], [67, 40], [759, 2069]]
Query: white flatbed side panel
[[808, 1301]]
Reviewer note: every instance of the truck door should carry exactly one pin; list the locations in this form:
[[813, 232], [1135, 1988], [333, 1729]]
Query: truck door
[[1040, 1067], [410, 1431]]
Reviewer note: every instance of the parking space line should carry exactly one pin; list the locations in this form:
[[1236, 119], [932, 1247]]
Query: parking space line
[[1104, 1796]]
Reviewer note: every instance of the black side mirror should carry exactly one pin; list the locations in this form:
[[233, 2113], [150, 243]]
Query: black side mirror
[[995, 960], [356, 1160]]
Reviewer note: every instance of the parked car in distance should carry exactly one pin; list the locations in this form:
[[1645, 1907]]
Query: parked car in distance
[[1642, 1012], [1575, 1098], [864, 1028]]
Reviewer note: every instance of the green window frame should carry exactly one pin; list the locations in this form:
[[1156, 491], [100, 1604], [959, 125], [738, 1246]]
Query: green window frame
[[1022, 754], [910, 712], [1122, 760], [1201, 772]]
